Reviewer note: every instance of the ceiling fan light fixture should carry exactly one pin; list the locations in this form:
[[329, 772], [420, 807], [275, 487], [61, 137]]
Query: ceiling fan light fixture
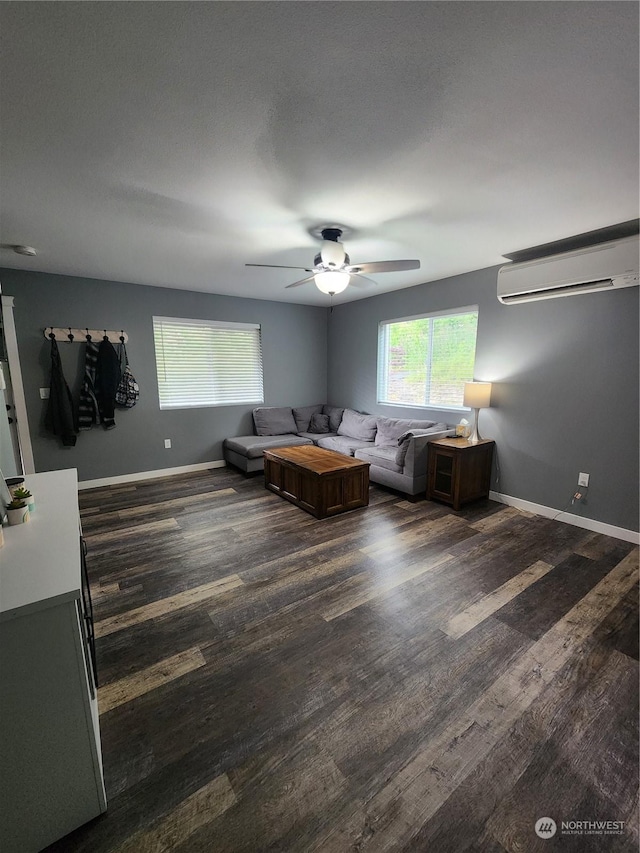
[[332, 253], [331, 282], [332, 271]]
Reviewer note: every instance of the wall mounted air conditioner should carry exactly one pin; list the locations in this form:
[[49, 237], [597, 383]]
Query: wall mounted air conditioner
[[605, 266]]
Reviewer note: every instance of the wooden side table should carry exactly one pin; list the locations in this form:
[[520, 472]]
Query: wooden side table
[[459, 472]]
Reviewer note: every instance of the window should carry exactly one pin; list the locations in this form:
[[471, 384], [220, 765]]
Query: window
[[207, 363], [425, 361]]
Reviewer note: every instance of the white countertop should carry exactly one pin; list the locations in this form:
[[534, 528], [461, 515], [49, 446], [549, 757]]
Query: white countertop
[[40, 560]]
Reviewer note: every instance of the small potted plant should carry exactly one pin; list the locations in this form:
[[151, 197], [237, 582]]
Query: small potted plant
[[23, 494], [18, 512]]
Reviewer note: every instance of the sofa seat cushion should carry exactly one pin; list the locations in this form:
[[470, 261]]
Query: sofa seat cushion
[[316, 436], [357, 425], [342, 444], [383, 457], [303, 414], [390, 429], [252, 446], [274, 420]]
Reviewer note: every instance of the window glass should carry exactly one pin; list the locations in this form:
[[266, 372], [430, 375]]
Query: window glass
[[207, 363], [425, 361]]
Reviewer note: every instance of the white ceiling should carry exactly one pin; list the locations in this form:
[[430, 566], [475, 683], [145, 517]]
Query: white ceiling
[[169, 143]]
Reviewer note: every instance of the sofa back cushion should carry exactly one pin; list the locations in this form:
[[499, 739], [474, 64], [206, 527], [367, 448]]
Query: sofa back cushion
[[274, 420], [390, 429], [357, 425], [335, 416], [302, 416]]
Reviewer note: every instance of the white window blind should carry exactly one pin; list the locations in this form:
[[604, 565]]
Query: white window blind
[[425, 361], [207, 363]]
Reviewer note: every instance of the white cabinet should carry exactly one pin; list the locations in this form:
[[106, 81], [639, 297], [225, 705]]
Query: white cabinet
[[51, 779]]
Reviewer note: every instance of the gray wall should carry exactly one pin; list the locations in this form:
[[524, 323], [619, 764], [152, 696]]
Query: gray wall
[[565, 375], [294, 342], [565, 397]]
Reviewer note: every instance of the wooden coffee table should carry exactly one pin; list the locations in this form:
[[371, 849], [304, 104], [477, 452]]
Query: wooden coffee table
[[319, 481]]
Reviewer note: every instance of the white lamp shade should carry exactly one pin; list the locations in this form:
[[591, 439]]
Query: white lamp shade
[[332, 253], [477, 395], [332, 282]]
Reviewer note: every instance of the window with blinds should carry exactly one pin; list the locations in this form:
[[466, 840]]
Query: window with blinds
[[207, 363], [425, 361]]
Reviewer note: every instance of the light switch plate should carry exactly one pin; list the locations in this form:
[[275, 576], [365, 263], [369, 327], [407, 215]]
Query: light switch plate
[[44, 393]]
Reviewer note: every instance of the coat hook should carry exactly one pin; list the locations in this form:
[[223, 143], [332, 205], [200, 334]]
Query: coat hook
[[70, 335], [106, 336], [88, 335], [121, 336], [52, 337]]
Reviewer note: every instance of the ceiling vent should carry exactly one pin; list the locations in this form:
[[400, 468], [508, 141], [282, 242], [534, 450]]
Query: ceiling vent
[[606, 266]]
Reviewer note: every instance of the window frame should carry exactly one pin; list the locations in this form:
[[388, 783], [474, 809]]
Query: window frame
[[383, 357], [158, 344]]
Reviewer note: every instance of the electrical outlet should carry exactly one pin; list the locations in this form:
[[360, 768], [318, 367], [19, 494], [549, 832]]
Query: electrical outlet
[[44, 393], [583, 479], [167, 443]]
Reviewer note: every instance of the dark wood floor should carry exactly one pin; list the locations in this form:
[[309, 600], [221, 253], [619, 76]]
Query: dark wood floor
[[398, 678]]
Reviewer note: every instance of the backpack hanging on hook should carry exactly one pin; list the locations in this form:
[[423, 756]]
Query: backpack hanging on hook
[[128, 390]]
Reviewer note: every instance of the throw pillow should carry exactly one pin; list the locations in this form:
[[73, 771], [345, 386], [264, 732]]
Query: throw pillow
[[357, 425], [401, 452], [319, 423], [413, 433], [390, 429]]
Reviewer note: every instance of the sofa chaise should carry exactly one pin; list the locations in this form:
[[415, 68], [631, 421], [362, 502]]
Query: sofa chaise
[[395, 448]]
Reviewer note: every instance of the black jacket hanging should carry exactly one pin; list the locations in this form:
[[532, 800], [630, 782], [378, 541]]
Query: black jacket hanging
[[60, 418], [107, 381]]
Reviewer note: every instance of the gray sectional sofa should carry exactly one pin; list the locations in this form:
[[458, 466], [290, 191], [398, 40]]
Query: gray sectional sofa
[[396, 448]]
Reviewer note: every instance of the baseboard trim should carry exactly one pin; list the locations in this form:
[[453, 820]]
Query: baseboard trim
[[568, 518], [518, 503], [148, 475]]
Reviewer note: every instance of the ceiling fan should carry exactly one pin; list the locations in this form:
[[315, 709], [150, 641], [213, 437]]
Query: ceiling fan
[[333, 271]]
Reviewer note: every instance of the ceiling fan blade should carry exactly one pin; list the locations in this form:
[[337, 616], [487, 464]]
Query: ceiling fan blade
[[358, 280], [280, 267], [384, 266], [298, 283]]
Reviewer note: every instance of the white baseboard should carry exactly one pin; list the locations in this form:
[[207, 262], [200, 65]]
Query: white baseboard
[[568, 518], [518, 503], [148, 475]]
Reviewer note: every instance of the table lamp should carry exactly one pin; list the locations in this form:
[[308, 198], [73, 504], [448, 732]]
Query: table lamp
[[477, 395]]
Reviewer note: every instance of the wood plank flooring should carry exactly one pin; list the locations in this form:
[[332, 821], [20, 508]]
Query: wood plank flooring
[[398, 678]]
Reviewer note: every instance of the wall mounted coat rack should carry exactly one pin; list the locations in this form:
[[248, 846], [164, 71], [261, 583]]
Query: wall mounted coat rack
[[80, 335]]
